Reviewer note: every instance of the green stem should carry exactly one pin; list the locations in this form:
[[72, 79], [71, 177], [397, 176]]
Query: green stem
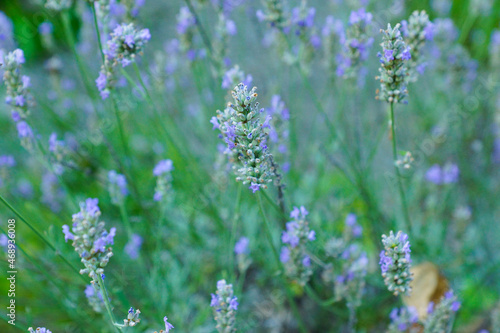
[[97, 31], [233, 231], [107, 303], [396, 169]]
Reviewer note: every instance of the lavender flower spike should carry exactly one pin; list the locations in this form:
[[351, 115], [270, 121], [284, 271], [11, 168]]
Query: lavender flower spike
[[90, 239], [393, 66], [225, 305], [246, 137], [442, 316], [417, 31], [293, 253], [163, 172], [125, 45], [395, 263]]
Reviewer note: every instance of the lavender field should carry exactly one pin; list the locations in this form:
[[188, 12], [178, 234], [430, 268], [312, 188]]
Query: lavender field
[[250, 166]]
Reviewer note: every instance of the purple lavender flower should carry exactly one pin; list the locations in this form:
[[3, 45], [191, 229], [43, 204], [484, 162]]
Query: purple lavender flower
[[185, 20], [389, 55], [24, 130], [162, 167], [67, 233], [360, 16], [443, 175], [285, 254], [45, 28], [168, 326], [133, 246], [225, 305], [254, 187], [395, 263], [402, 319], [241, 246]]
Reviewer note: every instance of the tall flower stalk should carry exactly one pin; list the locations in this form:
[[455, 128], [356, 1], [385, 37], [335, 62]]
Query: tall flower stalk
[[393, 81]]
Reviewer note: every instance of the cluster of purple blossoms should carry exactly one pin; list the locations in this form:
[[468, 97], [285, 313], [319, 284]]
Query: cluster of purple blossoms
[[94, 297], [402, 319], [117, 187], [125, 44], [132, 318], [52, 194], [223, 30], [186, 23], [246, 138], [163, 173], [234, 76], [225, 305], [416, 31], [133, 246], [58, 153], [356, 44], [39, 330], [393, 66], [352, 226], [294, 254], [333, 35], [90, 238], [451, 58], [18, 96], [6, 162], [241, 250], [395, 263], [447, 174], [279, 132], [350, 283], [227, 6], [441, 316]]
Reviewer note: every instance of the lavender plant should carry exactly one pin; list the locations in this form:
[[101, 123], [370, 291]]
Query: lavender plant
[[393, 66], [225, 305], [395, 263], [90, 238], [417, 30], [246, 138], [125, 45], [442, 315], [293, 254], [356, 44]]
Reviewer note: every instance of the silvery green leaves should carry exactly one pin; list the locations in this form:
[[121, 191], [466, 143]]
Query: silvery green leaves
[[440, 317], [395, 263], [225, 305], [393, 66], [416, 31], [246, 136], [293, 253], [90, 238]]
